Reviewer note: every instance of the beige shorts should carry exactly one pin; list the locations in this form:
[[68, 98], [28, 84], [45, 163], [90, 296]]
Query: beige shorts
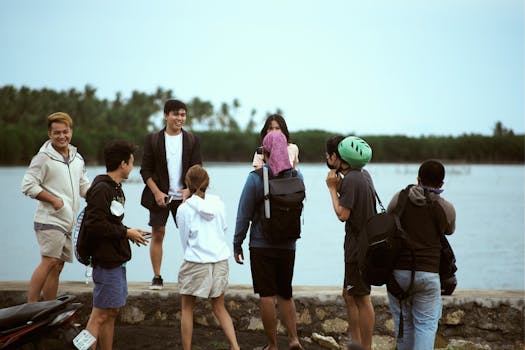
[[55, 244], [207, 280]]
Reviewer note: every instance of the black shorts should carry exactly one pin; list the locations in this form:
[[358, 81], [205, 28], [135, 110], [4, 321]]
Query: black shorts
[[354, 284], [159, 216], [272, 271]]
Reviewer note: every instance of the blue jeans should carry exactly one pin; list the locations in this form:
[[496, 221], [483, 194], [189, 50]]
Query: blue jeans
[[421, 311]]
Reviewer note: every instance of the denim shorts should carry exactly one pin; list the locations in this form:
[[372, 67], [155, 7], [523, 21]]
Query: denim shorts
[[111, 287]]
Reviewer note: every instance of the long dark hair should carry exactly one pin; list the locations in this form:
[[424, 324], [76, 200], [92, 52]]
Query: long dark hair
[[282, 124]]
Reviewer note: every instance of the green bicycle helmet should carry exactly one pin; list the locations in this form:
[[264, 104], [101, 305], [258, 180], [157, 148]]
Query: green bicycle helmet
[[355, 151]]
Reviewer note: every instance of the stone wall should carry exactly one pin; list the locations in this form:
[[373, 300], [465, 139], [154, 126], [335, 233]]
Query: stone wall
[[470, 320]]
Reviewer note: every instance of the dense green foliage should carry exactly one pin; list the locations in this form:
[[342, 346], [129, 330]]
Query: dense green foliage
[[23, 129]]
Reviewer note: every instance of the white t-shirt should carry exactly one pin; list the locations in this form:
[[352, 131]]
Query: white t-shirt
[[174, 160]]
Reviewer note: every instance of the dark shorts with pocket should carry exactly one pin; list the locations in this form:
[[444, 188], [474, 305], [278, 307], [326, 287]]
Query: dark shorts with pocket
[[272, 271]]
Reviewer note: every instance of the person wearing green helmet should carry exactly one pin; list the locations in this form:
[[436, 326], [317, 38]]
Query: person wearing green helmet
[[352, 193]]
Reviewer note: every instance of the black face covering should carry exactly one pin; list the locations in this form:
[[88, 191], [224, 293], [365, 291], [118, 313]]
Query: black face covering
[[331, 167]]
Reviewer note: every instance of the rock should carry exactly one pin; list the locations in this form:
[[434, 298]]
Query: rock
[[335, 325], [459, 344], [383, 342], [324, 341], [304, 318], [454, 318], [255, 324], [389, 324], [132, 315]]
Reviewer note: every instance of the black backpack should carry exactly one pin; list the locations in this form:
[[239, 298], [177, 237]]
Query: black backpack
[[383, 238], [81, 242], [285, 196]]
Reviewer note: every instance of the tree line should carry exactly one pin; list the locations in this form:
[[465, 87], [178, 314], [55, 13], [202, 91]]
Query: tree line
[[97, 121]]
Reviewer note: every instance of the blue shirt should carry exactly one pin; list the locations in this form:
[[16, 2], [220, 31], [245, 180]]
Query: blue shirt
[[249, 212]]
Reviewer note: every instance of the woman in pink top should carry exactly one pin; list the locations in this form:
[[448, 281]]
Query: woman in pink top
[[276, 122]]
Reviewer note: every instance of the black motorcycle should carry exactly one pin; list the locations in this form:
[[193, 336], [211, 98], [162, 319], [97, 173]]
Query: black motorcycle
[[40, 326]]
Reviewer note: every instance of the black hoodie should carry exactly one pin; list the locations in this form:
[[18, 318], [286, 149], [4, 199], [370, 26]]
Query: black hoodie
[[103, 223]]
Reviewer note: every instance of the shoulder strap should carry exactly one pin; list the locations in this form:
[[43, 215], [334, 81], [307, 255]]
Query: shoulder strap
[[402, 201], [266, 187]]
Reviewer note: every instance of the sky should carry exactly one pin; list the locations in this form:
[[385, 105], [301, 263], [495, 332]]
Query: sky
[[378, 67]]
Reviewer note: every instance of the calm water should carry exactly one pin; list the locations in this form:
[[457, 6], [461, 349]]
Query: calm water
[[489, 238]]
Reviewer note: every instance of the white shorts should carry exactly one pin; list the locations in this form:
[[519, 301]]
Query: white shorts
[[205, 280], [55, 244]]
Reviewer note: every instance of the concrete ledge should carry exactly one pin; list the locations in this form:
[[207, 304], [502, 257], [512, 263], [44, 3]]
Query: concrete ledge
[[487, 318]]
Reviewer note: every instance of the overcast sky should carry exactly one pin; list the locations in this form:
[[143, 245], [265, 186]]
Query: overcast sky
[[433, 67]]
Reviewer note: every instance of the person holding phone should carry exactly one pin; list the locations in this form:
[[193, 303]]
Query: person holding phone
[[276, 122], [168, 154]]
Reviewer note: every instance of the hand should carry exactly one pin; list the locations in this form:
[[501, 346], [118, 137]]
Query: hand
[[185, 194], [239, 258], [332, 179], [160, 199], [58, 204], [136, 236]]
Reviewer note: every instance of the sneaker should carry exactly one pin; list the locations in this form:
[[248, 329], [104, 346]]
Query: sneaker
[[156, 283]]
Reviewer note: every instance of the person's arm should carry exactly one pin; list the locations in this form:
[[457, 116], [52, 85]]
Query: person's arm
[[293, 153], [332, 182], [147, 171], [450, 214], [84, 182], [160, 196], [257, 161], [393, 203], [244, 217], [184, 227], [32, 182]]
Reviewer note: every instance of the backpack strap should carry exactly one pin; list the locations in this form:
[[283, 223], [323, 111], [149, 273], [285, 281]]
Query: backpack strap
[[393, 286], [266, 188]]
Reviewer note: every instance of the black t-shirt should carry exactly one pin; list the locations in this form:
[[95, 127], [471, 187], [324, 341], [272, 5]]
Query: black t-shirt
[[356, 192]]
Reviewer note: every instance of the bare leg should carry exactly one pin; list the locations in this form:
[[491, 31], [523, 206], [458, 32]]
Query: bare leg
[[155, 248], [101, 325], [186, 321], [225, 320], [366, 319], [287, 311], [269, 320], [39, 276], [353, 317], [50, 288]]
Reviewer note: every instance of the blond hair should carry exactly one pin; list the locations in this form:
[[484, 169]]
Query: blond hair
[[59, 117], [197, 180]]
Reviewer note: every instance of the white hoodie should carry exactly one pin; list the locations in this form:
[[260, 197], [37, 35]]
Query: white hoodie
[[68, 181], [202, 228]]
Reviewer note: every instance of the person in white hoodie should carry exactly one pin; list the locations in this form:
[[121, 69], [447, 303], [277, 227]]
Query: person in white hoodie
[[204, 272], [57, 178]]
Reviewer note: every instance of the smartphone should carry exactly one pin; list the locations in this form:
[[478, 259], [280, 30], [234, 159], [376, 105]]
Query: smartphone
[[168, 199], [259, 150]]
